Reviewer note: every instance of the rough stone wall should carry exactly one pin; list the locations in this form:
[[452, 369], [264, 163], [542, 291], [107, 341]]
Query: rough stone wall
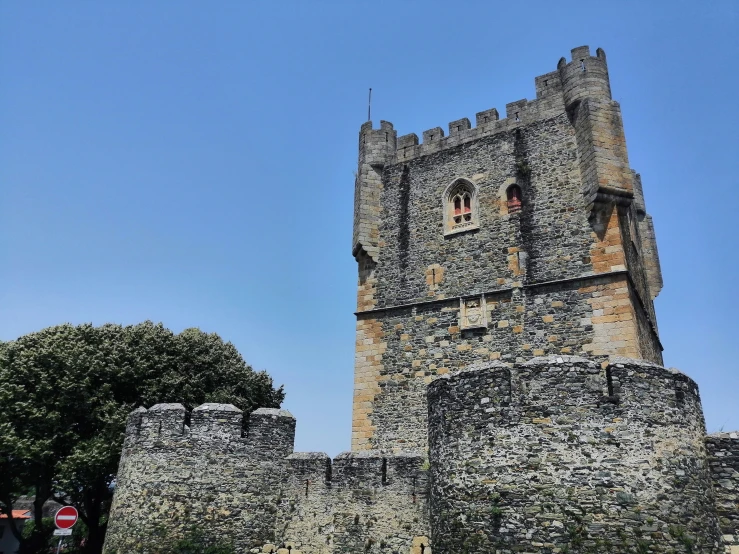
[[400, 351], [369, 350], [554, 217], [366, 502], [254, 491], [572, 242], [723, 456], [558, 454], [172, 477]]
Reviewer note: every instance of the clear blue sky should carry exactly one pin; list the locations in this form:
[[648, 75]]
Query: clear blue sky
[[191, 163]]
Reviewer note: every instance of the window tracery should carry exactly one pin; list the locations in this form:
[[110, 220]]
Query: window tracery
[[460, 207]]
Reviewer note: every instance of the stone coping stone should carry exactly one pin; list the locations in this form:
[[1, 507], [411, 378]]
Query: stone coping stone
[[308, 456], [213, 406], [166, 407], [273, 412]]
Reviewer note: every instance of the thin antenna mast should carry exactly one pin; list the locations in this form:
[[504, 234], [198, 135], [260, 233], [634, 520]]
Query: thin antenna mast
[[369, 106]]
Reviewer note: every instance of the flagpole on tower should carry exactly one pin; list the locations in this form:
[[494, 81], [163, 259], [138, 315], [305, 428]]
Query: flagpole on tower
[[369, 106]]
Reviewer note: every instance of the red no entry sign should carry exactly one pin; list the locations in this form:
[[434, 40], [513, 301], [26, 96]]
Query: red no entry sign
[[66, 517]]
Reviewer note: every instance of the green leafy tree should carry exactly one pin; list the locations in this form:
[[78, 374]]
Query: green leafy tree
[[65, 393], [72, 544]]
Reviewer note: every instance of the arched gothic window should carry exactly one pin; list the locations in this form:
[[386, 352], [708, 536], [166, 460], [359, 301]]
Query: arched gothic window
[[514, 198], [460, 207]]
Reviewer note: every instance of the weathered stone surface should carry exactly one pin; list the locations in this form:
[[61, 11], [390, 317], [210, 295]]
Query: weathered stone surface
[[560, 453], [557, 454], [723, 457], [252, 490]]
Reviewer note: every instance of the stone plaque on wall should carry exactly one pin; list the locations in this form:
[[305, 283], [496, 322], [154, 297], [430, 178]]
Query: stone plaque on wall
[[472, 313]]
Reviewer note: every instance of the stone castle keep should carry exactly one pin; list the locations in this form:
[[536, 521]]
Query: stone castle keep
[[508, 393]]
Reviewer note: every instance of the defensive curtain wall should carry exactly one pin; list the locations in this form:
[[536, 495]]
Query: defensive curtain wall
[[507, 274], [723, 455], [249, 487], [555, 453]]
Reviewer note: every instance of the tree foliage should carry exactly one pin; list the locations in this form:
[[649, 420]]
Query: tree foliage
[[72, 543], [65, 393]]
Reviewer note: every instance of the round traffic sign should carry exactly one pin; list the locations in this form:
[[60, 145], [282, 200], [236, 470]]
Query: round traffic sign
[[66, 517]]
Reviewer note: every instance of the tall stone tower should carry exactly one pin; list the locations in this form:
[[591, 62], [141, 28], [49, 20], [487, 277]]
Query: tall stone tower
[[519, 237]]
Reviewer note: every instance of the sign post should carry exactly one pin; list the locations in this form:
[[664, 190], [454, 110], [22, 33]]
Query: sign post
[[64, 520]]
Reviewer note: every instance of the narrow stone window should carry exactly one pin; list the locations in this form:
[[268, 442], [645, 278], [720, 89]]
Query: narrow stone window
[[513, 196], [609, 381]]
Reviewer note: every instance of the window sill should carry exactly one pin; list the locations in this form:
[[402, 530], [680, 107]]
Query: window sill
[[461, 228], [473, 327]]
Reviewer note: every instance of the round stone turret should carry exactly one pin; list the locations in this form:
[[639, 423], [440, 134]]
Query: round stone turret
[[585, 76], [558, 454], [377, 145]]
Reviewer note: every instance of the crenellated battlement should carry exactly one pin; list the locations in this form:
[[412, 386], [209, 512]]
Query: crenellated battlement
[[161, 420], [181, 468], [546, 385], [623, 433], [210, 421], [357, 500], [269, 431], [585, 76], [375, 145], [375, 468]]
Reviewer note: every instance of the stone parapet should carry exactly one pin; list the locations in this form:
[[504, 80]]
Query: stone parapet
[[368, 501], [585, 76], [270, 431], [249, 488], [173, 476]]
